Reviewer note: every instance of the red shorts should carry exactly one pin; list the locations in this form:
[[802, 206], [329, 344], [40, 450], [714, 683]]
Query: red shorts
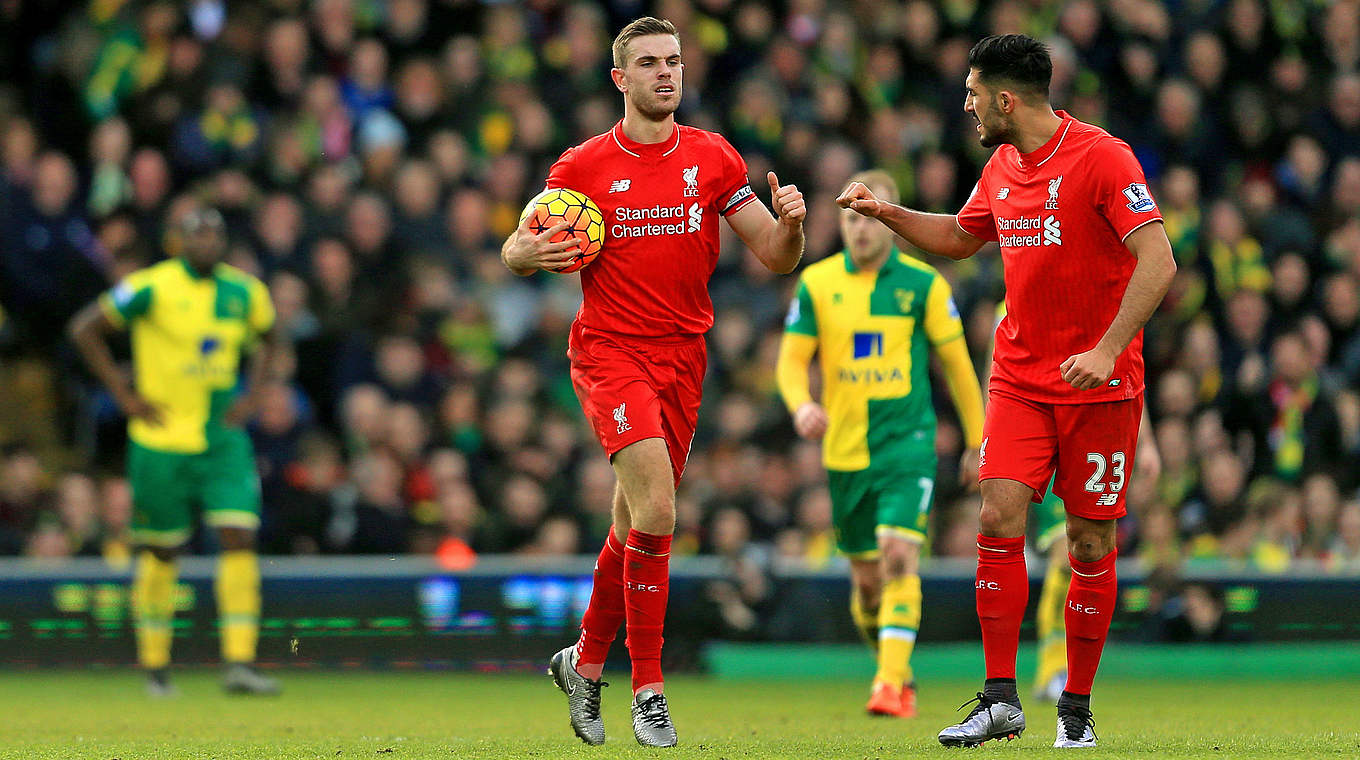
[[635, 388], [1090, 445]]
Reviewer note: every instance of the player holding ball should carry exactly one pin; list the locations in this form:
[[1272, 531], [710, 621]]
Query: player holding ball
[[1086, 263], [637, 346]]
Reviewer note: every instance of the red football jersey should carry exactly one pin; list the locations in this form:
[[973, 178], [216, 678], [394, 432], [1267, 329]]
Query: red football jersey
[[661, 204], [1061, 215]]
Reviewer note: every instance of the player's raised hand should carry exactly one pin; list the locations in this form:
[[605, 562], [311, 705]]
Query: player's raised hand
[[809, 420], [787, 201], [860, 199], [1088, 370], [528, 251]]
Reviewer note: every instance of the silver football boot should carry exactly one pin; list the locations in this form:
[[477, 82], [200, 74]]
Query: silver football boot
[[988, 720], [652, 726], [158, 684], [1076, 728], [583, 696], [239, 678]]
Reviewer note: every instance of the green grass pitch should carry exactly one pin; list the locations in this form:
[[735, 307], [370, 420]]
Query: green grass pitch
[[398, 715]]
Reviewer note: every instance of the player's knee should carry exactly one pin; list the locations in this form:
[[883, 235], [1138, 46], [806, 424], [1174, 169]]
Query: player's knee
[[1088, 545], [1090, 550], [996, 520], [655, 514], [164, 553], [899, 558], [236, 539]]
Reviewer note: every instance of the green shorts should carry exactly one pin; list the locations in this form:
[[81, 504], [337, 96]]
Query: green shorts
[[168, 487], [866, 503], [1050, 520]]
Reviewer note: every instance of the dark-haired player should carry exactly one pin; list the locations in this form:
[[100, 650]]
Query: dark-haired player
[[637, 345], [1085, 266], [192, 319]]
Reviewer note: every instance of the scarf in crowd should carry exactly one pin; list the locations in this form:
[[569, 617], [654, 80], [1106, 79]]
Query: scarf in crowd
[[1286, 434]]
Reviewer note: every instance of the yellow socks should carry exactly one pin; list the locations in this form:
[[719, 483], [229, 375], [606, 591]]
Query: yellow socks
[[866, 621], [1051, 631], [899, 617], [238, 604], [153, 605]]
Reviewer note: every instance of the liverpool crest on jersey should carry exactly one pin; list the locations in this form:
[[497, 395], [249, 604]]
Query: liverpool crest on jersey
[[1052, 202], [691, 177]]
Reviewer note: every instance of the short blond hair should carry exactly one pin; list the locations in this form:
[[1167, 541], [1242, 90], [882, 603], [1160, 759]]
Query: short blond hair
[[643, 27], [878, 179]]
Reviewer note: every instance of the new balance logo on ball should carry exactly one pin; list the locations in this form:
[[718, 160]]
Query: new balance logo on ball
[[622, 419]]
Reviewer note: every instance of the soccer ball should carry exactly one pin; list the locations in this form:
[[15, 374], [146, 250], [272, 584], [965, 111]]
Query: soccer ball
[[558, 205]]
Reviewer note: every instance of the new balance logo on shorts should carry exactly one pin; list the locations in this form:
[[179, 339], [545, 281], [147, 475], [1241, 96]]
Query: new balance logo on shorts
[[622, 419], [1107, 499]]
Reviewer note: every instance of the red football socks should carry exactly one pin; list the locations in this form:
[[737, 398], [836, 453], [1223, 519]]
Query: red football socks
[[1090, 606], [646, 584], [605, 613], [1002, 592]]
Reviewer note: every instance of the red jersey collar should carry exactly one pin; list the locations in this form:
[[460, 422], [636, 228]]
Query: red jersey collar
[[638, 150], [1032, 161]]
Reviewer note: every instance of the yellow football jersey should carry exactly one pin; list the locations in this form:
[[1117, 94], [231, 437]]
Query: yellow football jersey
[[873, 331], [188, 333]]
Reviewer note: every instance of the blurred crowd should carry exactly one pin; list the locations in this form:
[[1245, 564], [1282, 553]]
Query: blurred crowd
[[371, 156]]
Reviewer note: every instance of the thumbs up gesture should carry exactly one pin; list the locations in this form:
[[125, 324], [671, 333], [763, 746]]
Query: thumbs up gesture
[[787, 202]]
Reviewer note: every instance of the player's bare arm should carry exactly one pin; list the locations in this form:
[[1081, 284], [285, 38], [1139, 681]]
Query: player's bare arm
[[1148, 285], [777, 241], [525, 253], [247, 404], [1148, 463], [939, 234], [88, 330]]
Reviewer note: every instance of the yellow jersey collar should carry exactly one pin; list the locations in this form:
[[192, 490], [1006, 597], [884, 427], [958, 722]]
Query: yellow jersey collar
[[889, 263], [193, 273]]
